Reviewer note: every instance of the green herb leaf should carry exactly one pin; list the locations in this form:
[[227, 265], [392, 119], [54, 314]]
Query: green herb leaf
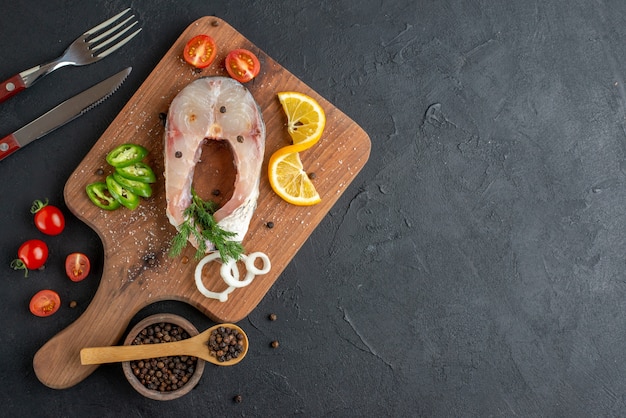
[[200, 223]]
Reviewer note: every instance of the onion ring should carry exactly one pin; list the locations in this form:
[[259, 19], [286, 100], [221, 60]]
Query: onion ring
[[230, 273], [221, 296]]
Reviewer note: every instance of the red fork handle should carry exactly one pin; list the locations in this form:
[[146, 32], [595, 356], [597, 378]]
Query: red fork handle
[[11, 87], [8, 145]]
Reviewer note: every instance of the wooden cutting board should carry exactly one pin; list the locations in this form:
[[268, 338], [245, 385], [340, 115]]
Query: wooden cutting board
[[137, 270]]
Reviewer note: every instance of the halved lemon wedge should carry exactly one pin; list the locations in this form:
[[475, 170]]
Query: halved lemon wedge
[[289, 180], [305, 118]]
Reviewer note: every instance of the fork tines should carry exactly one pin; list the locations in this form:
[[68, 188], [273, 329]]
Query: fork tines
[[106, 33]]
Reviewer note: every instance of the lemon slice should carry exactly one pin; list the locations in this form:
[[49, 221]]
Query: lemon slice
[[305, 118], [289, 180]]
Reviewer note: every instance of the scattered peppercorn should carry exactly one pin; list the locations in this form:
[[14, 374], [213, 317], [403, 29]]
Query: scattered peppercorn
[[215, 23], [163, 374], [270, 224], [215, 192], [237, 399], [312, 176], [222, 109], [239, 139], [273, 317], [100, 171], [197, 70], [225, 343], [163, 118], [73, 304], [274, 344], [178, 154]]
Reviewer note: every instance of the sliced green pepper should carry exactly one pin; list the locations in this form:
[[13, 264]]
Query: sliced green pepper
[[137, 187], [121, 194], [137, 171], [100, 196], [126, 154]]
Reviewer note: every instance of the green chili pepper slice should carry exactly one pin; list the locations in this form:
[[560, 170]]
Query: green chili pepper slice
[[137, 171], [121, 194], [126, 154], [100, 196], [135, 186]]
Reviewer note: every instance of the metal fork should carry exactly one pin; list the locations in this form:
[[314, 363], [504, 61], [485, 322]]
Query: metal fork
[[91, 46]]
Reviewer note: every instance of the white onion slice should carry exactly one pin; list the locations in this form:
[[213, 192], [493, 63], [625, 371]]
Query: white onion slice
[[252, 270], [251, 258], [230, 273], [221, 296]]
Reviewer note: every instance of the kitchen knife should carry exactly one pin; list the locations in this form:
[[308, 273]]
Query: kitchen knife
[[61, 114]]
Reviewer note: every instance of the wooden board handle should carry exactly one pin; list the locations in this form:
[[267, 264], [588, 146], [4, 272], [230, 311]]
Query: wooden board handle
[[57, 364]]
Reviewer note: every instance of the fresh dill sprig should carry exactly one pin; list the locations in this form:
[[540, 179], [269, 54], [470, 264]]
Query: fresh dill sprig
[[200, 223]]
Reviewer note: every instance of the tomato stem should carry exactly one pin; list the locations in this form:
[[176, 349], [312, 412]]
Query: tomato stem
[[38, 205], [18, 264]]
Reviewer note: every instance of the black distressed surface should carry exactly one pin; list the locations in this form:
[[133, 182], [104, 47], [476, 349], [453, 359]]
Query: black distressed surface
[[474, 268]]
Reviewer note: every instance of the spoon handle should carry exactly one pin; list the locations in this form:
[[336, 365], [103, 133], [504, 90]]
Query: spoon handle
[[114, 354]]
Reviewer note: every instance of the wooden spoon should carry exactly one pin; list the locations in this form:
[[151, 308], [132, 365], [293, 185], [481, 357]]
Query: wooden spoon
[[195, 346]]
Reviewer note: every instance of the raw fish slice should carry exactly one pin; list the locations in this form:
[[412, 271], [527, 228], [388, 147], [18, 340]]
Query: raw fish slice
[[214, 109]]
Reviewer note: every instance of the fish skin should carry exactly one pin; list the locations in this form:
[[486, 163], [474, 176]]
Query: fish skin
[[193, 117]]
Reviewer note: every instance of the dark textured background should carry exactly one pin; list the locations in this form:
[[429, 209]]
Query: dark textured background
[[474, 268]]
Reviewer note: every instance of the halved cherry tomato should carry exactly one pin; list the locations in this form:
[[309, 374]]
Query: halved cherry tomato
[[242, 65], [31, 255], [77, 266], [48, 219], [200, 51], [45, 303]]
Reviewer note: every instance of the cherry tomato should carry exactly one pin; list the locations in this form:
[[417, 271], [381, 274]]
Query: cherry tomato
[[77, 266], [31, 255], [200, 51], [242, 65], [48, 219], [45, 303]]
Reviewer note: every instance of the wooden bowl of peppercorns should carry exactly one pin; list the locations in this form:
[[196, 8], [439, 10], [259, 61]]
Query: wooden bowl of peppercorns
[[163, 378]]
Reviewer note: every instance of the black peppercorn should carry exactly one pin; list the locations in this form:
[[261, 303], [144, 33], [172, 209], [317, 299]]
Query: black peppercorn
[[163, 374], [237, 399], [224, 343], [312, 176], [215, 192], [273, 317], [270, 224], [163, 118], [100, 171], [222, 109], [178, 154], [239, 139], [274, 344]]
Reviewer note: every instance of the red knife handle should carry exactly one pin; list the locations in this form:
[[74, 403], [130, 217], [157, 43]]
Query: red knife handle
[[8, 145], [11, 87]]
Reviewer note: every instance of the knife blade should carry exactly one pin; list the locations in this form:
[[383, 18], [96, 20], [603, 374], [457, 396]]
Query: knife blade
[[62, 114]]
